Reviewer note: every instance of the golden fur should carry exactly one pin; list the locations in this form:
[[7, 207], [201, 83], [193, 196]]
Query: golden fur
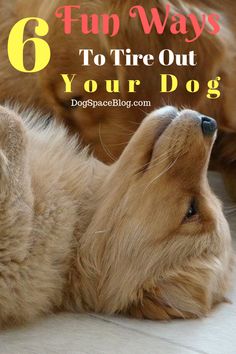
[[82, 236], [107, 131]]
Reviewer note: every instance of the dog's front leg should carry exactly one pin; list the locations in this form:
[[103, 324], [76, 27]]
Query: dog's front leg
[[15, 192], [18, 290]]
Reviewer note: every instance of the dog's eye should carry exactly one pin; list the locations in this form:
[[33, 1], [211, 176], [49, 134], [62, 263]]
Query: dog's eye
[[192, 211]]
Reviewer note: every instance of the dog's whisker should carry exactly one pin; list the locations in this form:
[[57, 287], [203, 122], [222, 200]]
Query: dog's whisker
[[122, 128], [230, 207], [109, 154], [146, 113], [161, 174], [158, 163], [120, 144], [180, 154], [135, 123], [158, 159], [230, 212], [149, 168]]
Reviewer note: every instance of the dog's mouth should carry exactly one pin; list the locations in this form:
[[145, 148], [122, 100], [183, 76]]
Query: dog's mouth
[[163, 128], [166, 116]]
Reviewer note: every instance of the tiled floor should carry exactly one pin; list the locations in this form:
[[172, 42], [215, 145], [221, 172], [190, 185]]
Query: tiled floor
[[92, 334]]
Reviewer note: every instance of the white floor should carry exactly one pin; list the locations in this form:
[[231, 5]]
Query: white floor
[[92, 334]]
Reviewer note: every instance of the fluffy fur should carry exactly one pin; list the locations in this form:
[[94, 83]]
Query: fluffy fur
[[107, 131], [82, 236]]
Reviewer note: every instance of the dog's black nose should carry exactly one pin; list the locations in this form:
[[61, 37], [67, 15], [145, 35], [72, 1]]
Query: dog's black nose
[[209, 126]]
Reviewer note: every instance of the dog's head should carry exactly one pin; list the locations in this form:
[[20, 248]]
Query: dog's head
[[159, 245]]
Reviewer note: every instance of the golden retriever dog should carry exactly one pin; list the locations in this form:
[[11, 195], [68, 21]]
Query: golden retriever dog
[[144, 237], [108, 130]]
